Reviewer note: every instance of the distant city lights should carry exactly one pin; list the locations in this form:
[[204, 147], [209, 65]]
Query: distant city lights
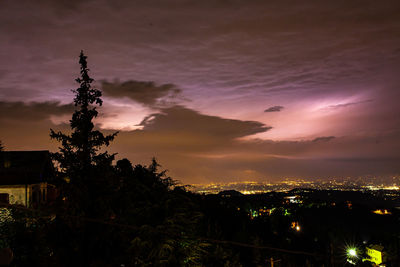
[[342, 184]]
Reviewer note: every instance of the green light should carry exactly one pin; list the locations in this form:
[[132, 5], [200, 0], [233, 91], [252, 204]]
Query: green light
[[286, 213], [352, 252]]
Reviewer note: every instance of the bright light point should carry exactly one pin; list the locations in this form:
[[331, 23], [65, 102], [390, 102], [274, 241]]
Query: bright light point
[[352, 252], [295, 226]]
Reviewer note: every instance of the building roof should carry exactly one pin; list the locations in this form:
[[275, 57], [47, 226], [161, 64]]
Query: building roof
[[25, 167]]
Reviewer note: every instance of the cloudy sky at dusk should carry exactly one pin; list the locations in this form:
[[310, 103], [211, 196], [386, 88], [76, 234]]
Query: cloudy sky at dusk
[[216, 90]]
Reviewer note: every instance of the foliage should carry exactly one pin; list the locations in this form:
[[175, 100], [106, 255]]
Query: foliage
[[166, 219], [84, 169], [86, 179], [122, 214], [24, 231]]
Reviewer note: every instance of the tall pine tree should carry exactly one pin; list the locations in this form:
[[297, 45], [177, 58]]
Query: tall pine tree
[[83, 167]]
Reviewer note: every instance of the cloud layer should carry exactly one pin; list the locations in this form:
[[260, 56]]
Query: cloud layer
[[197, 148], [188, 81]]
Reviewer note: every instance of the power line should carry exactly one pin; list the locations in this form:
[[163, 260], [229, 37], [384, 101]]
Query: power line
[[262, 247]]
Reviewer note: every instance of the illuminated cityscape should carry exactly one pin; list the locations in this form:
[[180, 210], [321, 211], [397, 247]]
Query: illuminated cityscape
[[368, 212], [345, 184]]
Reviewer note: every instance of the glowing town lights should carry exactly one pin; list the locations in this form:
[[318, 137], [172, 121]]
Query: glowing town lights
[[394, 187], [295, 226], [382, 212]]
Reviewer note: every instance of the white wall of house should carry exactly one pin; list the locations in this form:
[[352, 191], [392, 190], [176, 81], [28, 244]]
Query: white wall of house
[[25, 195], [16, 193]]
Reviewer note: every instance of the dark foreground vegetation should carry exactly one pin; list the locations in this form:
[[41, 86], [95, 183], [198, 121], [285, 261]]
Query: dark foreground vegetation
[[109, 214]]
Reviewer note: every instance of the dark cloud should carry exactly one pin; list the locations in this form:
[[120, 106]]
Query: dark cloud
[[185, 120], [147, 93], [185, 140], [323, 139], [274, 109], [26, 126], [178, 132], [25, 112]]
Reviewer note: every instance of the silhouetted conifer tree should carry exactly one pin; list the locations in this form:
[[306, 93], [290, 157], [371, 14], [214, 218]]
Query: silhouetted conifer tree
[[86, 179], [79, 157]]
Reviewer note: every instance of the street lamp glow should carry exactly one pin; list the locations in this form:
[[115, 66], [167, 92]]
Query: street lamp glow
[[352, 252]]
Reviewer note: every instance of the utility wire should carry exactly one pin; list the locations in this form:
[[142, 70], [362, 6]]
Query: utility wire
[[261, 247]]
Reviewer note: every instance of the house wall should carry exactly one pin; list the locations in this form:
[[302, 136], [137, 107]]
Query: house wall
[[375, 256], [16, 193], [20, 195]]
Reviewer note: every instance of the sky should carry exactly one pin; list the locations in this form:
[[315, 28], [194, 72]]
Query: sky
[[216, 90]]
